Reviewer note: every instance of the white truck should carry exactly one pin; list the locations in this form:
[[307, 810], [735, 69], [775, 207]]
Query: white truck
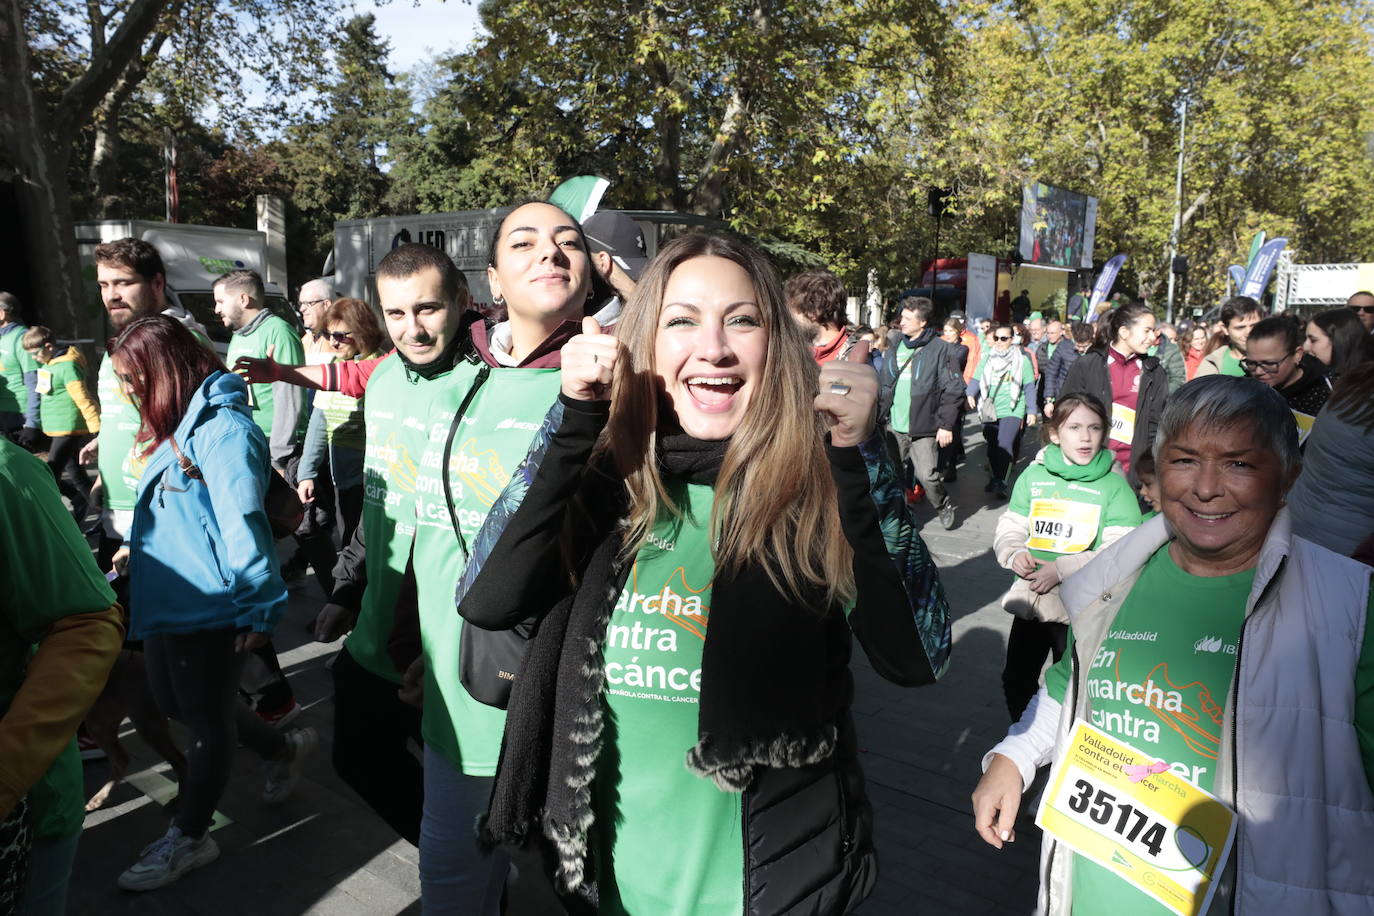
[[193, 256], [359, 244]]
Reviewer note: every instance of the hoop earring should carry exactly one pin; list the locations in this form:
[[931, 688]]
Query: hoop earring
[[499, 302]]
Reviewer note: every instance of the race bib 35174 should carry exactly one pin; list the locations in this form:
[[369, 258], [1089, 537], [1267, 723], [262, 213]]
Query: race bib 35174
[[1126, 811]]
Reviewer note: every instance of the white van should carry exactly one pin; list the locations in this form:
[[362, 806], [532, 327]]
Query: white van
[[193, 256]]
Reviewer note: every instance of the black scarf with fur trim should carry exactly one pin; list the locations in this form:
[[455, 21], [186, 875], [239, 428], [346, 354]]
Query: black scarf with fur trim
[[775, 679]]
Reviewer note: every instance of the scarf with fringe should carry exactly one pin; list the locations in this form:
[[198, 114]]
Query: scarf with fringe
[[774, 681]]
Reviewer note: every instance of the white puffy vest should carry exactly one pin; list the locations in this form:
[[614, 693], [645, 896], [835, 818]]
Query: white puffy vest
[[1290, 759]]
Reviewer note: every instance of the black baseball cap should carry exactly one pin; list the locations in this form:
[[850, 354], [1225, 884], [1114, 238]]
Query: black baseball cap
[[619, 236]]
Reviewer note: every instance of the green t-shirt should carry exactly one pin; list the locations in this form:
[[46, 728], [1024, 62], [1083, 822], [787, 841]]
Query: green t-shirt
[[49, 573], [1230, 363], [1164, 690], [905, 354], [275, 333], [669, 842], [14, 362], [396, 414], [494, 438], [343, 419], [405, 514], [56, 409], [1069, 505], [119, 423], [1007, 392]]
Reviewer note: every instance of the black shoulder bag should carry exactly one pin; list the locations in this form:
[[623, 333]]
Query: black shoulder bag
[[488, 660]]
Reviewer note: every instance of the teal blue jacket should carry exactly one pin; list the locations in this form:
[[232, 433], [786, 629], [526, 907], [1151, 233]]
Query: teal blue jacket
[[202, 556]]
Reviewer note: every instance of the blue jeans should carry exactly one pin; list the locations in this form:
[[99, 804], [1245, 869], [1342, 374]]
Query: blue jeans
[[456, 877]]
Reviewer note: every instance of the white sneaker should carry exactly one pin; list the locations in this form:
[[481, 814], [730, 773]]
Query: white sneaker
[[282, 775], [167, 859]]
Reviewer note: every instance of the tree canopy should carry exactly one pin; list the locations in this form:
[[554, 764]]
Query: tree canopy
[[815, 127]]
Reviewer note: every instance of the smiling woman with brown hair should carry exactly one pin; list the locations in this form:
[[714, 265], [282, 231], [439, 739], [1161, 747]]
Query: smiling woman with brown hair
[[725, 540], [1236, 654]]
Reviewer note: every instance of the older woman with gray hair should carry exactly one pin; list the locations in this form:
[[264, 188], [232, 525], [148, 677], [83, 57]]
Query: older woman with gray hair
[[1234, 653]]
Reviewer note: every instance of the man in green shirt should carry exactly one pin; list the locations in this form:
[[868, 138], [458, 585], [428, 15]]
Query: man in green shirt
[[278, 407], [19, 413], [279, 411], [1238, 315], [133, 284], [60, 632], [920, 391]]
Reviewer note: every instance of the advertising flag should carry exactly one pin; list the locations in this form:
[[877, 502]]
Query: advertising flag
[[1255, 245], [1257, 278], [1105, 281], [579, 197], [1237, 275]]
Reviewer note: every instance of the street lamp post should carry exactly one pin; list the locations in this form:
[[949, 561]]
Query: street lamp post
[[1178, 211]]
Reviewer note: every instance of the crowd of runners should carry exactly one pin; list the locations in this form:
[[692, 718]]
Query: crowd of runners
[[598, 563]]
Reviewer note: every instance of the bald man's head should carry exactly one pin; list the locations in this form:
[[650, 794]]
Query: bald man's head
[[314, 301], [1362, 304]]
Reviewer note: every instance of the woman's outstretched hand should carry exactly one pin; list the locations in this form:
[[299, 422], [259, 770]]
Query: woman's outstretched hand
[[848, 397], [589, 363], [996, 800], [259, 370]]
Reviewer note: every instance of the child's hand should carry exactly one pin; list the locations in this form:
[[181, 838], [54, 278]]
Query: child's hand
[[1043, 579], [1023, 564]]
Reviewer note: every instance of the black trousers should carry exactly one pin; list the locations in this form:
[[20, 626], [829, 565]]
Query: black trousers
[[1030, 641], [1004, 444], [72, 480], [372, 728], [194, 677], [348, 506]]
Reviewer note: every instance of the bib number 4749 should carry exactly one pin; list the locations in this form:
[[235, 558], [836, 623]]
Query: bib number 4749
[[1131, 824]]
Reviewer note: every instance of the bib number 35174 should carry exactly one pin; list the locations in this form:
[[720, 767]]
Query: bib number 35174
[[1124, 819], [1130, 813]]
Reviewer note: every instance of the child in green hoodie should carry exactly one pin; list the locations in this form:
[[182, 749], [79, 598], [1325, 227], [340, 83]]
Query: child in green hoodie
[[68, 414], [1070, 502]]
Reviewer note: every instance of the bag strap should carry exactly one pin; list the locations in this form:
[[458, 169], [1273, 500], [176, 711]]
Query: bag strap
[[188, 468], [902, 367], [477, 382]]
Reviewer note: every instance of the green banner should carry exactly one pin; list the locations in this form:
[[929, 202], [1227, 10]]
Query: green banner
[[1255, 245], [579, 197]]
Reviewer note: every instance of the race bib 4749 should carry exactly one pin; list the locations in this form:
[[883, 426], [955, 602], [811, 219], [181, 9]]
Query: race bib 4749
[[1062, 525]]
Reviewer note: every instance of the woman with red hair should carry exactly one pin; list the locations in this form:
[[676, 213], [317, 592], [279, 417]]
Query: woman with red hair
[[204, 582]]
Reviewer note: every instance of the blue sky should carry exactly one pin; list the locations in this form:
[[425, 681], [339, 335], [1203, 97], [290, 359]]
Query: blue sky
[[421, 30]]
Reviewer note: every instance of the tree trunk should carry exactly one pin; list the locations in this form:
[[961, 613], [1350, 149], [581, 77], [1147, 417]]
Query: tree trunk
[[40, 165], [708, 197], [104, 174], [668, 124]]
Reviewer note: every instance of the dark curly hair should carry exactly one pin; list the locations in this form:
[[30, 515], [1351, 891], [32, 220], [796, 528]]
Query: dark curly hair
[[817, 297]]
